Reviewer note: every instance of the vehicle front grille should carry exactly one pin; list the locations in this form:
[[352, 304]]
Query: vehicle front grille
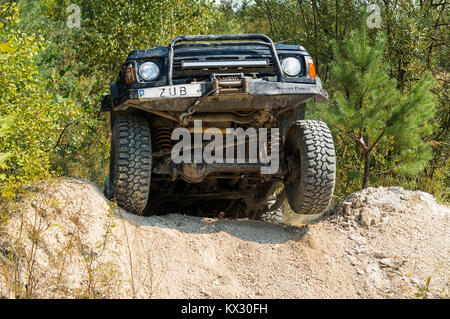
[[199, 66]]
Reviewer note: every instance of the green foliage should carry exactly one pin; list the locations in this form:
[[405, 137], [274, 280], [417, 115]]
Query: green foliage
[[5, 127], [312, 24], [367, 109], [75, 67], [408, 125], [86, 60], [423, 290], [110, 29], [416, 39], [31, 114], [414, 32], [230, 17]]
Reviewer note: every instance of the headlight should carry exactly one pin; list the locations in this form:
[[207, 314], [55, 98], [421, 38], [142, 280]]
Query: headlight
[[291, 66], [149, 71]]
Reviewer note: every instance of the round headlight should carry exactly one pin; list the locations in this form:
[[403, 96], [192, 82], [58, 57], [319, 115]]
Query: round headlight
[[291, 66], [149, 71]]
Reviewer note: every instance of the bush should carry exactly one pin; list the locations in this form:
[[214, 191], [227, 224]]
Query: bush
[[31, 118]]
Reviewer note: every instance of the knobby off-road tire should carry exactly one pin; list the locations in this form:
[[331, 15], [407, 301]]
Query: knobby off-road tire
[[131, 163], [310, 144]]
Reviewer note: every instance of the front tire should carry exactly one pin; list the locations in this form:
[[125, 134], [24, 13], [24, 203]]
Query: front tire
[[310, 150], [131, 163]]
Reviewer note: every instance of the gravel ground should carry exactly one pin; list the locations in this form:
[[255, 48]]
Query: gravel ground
[[378, 243]]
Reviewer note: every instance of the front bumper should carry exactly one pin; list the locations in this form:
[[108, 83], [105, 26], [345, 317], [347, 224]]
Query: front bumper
[[259, 95]]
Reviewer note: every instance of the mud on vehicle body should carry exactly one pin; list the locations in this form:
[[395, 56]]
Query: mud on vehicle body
[[227, 81]]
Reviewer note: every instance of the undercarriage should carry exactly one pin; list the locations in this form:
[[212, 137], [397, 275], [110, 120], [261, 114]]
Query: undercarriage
[[241, 123]]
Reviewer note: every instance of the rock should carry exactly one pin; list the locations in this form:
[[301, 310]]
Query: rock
[[347, 208], [353, 260], [370, 216], [379, 254], [414, 281], [372, 268], [203, 291], [387, 262], [274, 217], [360, 250], [358, 238], [346, 225], [377, 280]]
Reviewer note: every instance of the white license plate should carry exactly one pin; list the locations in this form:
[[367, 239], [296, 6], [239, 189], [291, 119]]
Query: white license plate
[[174, 91]]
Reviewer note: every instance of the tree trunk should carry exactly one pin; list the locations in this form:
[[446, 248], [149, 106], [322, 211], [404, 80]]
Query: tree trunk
[[366, 170]]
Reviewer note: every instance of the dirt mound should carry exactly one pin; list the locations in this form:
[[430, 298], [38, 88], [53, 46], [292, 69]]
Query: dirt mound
[[67, 240]]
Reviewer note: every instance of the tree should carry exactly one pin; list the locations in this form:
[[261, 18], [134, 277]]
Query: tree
[[5, 126], [367, 107], [312, 24], [110, 29], [30, 116], [79, 63]]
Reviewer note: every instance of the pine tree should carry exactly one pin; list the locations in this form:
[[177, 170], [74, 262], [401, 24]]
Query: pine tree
[[367, 107]]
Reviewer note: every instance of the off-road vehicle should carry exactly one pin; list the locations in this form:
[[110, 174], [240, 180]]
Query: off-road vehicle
[[226, 81]]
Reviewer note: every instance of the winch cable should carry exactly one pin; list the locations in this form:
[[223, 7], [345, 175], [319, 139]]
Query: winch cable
[[191, 109]]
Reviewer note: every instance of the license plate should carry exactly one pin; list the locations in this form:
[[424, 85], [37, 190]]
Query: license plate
[[174, 91]]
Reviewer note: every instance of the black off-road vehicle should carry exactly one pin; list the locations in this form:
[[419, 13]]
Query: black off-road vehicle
[[226, 81]]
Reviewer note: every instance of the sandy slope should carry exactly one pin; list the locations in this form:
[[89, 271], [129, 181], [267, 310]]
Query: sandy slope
[[379, 243]]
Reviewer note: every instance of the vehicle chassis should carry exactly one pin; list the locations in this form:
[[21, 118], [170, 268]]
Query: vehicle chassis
[[227, 98]]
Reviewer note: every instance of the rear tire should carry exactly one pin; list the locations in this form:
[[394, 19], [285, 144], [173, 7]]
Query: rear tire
[[131, 163], [309, 146]]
